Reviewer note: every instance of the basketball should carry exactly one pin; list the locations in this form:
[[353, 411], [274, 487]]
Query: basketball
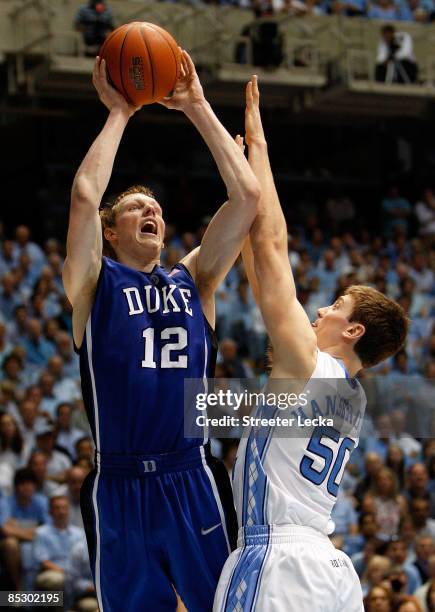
[[143, 62]]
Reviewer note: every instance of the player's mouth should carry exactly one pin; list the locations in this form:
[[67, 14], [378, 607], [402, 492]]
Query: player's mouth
[[149, 227]]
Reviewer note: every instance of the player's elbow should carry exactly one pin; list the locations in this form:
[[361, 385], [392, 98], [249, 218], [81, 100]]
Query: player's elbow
[[249, 194], [82, 192]]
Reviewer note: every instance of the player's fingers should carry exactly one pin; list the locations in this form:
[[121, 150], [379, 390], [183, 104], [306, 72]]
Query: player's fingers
[[255, 90], [103, 74], [96, 69], [189, 62], [183, 73], [249, 98], [240, 142]]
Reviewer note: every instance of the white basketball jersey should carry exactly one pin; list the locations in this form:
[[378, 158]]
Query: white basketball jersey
[[294, 480]]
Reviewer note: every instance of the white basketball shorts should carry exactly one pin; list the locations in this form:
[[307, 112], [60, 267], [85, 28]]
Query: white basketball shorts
[[287, 568]]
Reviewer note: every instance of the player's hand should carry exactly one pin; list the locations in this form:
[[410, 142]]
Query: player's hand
[[240, 142], [108, 95], [188, 89], [253, 127]]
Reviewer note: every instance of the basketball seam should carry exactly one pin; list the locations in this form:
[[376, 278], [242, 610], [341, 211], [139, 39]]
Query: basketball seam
[[151, 61], [121, 66], [170, 46]]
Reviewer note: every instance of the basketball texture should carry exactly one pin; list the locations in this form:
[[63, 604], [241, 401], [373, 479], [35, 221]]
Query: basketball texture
[[143, 62]]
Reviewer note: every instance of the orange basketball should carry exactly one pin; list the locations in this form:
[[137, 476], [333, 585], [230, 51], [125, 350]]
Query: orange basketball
[[142, 60]]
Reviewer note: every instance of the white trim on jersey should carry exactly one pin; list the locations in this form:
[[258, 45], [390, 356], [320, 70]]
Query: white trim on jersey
[[216, 496], [205, 381], [95, 487]]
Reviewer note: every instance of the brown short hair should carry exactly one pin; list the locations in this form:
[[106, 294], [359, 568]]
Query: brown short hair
[[385, 322], [109, 211]]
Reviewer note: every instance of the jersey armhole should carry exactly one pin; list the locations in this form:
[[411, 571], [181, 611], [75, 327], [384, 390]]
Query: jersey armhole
[[100, 276], [212, 332]]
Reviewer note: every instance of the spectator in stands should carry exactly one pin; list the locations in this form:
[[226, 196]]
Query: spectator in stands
[[82, 585], [23, 244], [28, 421], [9, 297], [95, 21], [396, 552], [408, 604], [389, 505], [58, 463], [395, 62], [66, 434], [376, 571], [396, 462], [75, 478], [233, 364], [64, 346], [349, 8], [419, 510], [422, 592], [372, 465], [53, 544], [424, 548], [415, 10], [379, 599], [38, 465], [20, 515], [396, 210], [65, 388], [418, 485], [11, 446], [85, 450], [425, 212], [38, 349], [383, 9], [6, 257]]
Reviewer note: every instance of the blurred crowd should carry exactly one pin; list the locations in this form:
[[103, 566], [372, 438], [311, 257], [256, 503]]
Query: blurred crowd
[[385, 514], [96, 20]]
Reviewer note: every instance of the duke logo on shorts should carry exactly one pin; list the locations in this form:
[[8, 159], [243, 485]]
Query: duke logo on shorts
[[284, 491], [157, 508]]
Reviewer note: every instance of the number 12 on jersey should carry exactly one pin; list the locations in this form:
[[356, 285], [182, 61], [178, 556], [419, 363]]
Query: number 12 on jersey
[[331, 468], [166, 361]]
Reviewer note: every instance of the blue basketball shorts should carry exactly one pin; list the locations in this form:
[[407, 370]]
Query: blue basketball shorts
[[155, 523]]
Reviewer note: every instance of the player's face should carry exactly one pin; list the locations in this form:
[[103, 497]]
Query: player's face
[[332, 322], [139, 224]]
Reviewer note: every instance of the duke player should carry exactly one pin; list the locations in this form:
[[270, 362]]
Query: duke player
[[154, 508], [286, 487]]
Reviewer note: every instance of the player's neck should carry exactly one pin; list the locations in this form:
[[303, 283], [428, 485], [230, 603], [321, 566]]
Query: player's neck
[[350, 360], [142, 264]]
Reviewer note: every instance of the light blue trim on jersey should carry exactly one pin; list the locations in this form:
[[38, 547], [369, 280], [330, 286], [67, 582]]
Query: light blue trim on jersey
[[246, 577], [255, 480], [227, 590]]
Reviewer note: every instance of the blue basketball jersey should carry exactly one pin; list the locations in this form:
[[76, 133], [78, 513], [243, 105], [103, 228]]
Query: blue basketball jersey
[[146, 333]]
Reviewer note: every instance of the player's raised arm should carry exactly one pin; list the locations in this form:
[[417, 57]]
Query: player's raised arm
[[224, 237], [84, 241], [293, 339]]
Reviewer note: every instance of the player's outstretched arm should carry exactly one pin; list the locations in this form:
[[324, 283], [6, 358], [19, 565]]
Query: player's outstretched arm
[[84, 241], [224, 237], [292, 337]]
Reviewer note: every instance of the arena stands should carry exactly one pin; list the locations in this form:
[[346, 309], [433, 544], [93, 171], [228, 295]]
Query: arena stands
[[385, 515]]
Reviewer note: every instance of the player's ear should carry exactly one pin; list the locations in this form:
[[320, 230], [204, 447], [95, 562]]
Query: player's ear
[[354, 331], [109, 234]]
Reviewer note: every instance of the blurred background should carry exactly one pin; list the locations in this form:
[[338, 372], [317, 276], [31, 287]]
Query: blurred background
[[348, 100]]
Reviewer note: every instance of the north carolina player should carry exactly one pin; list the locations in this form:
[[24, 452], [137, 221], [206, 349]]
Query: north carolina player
[[157, 508], [285, 487]]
